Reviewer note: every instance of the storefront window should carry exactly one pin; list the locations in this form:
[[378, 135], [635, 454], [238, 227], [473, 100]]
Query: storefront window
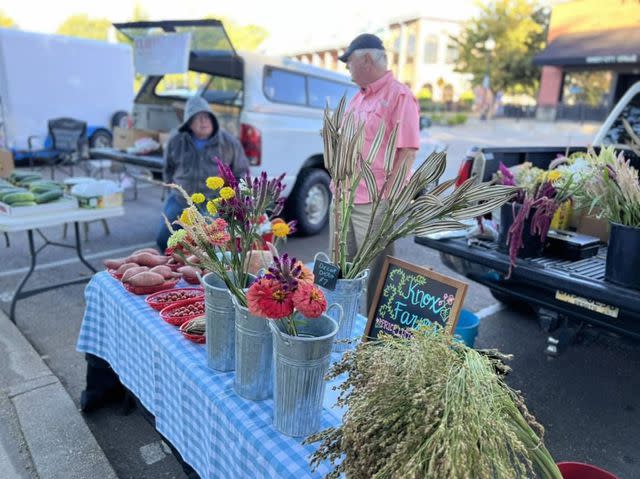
[[587, 88], [431, 49]]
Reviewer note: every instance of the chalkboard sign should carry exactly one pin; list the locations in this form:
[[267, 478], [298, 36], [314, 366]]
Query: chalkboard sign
[[408, 296], [326, 274]]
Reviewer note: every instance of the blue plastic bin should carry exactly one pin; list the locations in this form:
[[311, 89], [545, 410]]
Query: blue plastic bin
[[467, 327]]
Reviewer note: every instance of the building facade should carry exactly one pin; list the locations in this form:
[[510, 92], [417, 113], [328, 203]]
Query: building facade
[[421, 54], [591, 59]]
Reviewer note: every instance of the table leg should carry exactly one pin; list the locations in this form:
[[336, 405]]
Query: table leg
[[79, 248], [16, 295]]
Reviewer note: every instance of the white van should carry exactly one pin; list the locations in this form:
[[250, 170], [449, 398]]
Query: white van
[[273, 104], [45, 76]]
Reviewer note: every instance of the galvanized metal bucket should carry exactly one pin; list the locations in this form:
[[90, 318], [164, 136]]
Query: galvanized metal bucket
[[300, 364], [348, 294], [220, 327], [254, 355]]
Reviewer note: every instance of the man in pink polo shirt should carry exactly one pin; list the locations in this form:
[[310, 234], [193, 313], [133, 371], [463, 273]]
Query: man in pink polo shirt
[[381, 99]]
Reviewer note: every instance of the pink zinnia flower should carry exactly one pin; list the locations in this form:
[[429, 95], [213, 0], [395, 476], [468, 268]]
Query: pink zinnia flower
[[309, 300], [267, 298], [220, 224], [219, 238]]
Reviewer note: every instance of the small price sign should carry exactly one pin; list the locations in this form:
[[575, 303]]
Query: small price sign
[[326, 274]]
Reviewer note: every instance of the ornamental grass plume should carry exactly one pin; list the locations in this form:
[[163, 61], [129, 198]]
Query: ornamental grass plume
[[612, 187], [409, 211], [430, 407]]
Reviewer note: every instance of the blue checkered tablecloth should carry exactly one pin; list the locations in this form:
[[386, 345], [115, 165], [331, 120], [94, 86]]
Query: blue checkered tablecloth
[[217, 432]]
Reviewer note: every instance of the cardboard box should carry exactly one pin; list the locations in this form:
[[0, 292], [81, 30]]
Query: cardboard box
[[593, 226], [124, 138], [6, 163], [98, 202], [163, 138]]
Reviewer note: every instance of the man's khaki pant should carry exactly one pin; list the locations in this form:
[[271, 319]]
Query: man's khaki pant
[[357, 231]]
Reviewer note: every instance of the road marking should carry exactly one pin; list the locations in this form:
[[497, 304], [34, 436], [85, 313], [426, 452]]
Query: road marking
[[63, 262], [152, 453], [490, 310]]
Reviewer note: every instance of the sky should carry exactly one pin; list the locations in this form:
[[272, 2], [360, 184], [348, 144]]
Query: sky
[[292, 25]]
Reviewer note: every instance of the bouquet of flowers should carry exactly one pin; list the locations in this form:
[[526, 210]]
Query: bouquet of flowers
[[540, 194], [222, 238], [612, 186], [285, 293], [408, 210]]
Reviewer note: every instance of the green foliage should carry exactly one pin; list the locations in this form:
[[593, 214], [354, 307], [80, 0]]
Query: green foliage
[[519, 29], [467, 96], [588, 87], [80, 25], [444, 119], [139, 14], [245, 37], [6, 21], [425, 93]]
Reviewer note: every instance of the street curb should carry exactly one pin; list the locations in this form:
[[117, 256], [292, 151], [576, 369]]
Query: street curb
[[57, 437]]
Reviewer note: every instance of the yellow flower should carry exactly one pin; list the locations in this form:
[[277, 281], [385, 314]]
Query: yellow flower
[[197, 198], [212, 207], [554, 175], [187, 216], [215, 183], [227, 193], [281, 230], [176, 238]]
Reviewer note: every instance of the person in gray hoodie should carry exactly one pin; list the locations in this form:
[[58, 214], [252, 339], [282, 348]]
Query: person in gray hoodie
[[190, 155]]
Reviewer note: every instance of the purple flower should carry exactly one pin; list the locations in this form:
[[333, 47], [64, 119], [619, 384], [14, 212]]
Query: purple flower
[[506, 176], [226, 174]]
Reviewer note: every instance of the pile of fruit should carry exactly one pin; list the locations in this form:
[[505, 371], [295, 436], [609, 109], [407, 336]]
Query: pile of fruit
[[189, 309], [162, 299], [176, 295], [179, 313], [29, 189]]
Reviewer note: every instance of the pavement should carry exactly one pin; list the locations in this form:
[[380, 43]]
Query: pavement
[[42, 433], [587, 399]]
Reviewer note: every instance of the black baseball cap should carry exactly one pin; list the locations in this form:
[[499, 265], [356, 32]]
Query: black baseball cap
[[365, 40]]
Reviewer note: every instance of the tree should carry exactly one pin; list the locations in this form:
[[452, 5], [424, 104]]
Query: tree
[[519, 30], [6, 21], [139, 14], [82, 26], [246, 37]]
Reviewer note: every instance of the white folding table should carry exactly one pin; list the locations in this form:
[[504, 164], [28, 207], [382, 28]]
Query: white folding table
[[33, 223]]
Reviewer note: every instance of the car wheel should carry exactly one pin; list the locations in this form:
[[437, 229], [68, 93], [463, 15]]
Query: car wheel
[[101, 139], [309, 201]]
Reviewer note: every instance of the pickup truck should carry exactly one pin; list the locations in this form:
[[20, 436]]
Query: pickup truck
[[566, 294]]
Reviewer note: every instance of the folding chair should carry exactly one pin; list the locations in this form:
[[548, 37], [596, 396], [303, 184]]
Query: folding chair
[[68, 137]]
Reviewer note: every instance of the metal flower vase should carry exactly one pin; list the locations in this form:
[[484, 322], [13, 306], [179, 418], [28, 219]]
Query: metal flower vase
[[348, 294], [220, 324], [254, 355], [300, 364]]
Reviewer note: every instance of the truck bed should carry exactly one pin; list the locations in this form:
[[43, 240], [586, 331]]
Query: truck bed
[[576, 289]]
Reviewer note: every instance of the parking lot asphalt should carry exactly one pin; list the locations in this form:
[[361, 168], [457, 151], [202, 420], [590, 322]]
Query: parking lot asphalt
[[587, 398]]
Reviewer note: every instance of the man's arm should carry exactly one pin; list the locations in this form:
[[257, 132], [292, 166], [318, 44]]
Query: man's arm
[[404, 156]]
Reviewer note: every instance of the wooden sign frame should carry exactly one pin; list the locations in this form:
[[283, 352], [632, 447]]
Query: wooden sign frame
[[461, 291]]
